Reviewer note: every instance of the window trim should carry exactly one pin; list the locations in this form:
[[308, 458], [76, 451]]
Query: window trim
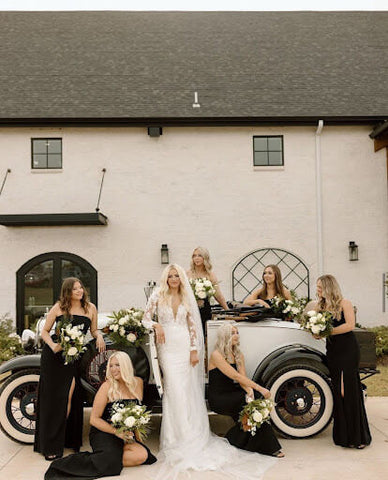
[[269, 165], [47, 168]]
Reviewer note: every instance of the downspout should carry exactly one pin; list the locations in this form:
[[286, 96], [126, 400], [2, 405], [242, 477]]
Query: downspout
[[318, 183]]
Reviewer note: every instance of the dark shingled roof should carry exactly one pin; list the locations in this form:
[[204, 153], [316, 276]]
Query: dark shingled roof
[[144, 66]]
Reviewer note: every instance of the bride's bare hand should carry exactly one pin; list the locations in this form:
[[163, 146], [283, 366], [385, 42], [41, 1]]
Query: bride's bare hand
[[194, 360], [159, 332]]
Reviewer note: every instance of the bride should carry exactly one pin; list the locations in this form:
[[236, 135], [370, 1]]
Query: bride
[[185, 439]]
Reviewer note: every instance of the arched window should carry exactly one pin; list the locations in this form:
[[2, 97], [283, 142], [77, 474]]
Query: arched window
[[247, 273], [39, 283]]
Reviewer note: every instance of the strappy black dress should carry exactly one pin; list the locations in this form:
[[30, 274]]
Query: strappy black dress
[[228, 398], [53, 431], [106, 459], [350, 427]]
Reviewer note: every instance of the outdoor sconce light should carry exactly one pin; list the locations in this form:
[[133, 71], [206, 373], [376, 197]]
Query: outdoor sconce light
[[155, 131], [164, 258], [353, 251]]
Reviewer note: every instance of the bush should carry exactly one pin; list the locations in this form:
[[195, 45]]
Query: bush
[[381, 333], [10, 343]]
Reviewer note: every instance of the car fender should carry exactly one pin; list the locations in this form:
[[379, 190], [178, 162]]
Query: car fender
[[286, 355], [19, 363]]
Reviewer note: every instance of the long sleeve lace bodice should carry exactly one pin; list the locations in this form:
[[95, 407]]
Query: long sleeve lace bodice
[[165, 316]]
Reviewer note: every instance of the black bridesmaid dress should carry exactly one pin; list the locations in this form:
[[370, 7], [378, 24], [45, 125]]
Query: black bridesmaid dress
[[53, 431], [106, 459], [206, 313], [228, 398], [350, 426]]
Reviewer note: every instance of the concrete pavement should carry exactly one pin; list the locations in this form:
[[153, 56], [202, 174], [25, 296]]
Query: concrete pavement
[[312, 459]]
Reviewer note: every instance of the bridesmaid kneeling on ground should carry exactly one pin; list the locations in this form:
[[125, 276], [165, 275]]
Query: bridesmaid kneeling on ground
[[110, 452], [350, 426], [227, 366], [272, 287]]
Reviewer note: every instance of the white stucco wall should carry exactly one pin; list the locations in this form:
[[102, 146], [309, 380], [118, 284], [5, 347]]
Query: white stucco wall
[[197, 186]]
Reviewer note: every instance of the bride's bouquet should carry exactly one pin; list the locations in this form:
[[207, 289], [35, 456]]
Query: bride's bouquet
[[72, 340], [202, 288], [255, 413], [126, 327], [131, 417], [317, 323]]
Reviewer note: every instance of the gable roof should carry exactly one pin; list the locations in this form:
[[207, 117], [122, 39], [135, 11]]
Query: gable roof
[[144, 66]]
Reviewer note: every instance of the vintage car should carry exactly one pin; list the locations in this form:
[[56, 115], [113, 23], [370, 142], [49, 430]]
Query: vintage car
[[279, 355]]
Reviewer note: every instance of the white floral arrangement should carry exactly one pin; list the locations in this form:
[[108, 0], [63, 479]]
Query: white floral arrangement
[[318, 323], [255, 413], [202, 288], [126, 327], [131, 417], [290, 309], [72, 340]]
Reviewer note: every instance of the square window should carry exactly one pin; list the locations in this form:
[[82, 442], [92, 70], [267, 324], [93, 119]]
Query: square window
[[46, 153], [268, 151]]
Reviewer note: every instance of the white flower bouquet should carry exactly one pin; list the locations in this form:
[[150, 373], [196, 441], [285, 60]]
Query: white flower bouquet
[[255, 413], [126, 327], [317, 323], [131, 417], [72, 340], [289, 309], [202, 288]]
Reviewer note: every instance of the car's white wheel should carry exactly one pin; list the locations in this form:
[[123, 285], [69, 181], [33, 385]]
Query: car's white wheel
[[303, 398], [18, 396]]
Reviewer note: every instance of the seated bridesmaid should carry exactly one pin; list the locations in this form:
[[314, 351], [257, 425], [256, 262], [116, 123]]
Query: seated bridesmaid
[[272, 287], [110, 452], [226, 397]]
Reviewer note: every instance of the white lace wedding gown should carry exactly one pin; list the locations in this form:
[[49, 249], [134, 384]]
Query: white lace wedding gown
[[186, 442]]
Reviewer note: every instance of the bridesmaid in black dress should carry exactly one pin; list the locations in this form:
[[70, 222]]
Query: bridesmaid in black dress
[[226, 397], [110, 452], [350, 427], [272, 287], [60, 409], [201, 267]]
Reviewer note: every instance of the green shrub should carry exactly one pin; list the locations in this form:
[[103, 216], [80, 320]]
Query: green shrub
[[381, 333], [10, 344]]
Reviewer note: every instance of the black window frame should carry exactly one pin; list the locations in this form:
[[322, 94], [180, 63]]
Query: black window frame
[[268, 150], [47, 154]]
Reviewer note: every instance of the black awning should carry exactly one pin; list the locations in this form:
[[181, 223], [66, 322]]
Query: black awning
[[53, 219]]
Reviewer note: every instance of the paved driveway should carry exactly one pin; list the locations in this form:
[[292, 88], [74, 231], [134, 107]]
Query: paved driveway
[[312, 459]]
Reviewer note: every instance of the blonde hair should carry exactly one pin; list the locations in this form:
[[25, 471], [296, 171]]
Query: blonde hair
[[204, 252], [164, 291], [127, 375], [331, 296], [224, 343]]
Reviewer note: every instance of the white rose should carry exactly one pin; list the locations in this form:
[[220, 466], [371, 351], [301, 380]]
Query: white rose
[[143, 420], [295, 310], [257, 416], [72, 336], [122, 331], [72, 351], [287, 309], [131, 337], [130, 422], [116, 417], [265, 412], [311, 313], [201, 294], [208, 283], [319, 316], [315, 329], [67, 338], [313, 320], [122, 321], [115, 328]]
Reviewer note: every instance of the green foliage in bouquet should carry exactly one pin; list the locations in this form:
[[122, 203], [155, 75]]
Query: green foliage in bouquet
[[254, 414], [10, 343], [291, 310], [317, 323], [126, 328], [131, 418], [72, 340]]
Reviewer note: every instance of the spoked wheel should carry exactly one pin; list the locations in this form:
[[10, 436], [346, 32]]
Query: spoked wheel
[[18, 397], [304, 401]]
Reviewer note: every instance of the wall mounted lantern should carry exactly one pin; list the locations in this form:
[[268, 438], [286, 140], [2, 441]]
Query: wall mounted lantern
[[353, 251], [164, 257]]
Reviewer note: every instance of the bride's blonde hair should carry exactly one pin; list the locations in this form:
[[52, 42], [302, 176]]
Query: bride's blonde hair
[[127, 375], [164, 291], [204, 252], [224, 343], [331, 296]]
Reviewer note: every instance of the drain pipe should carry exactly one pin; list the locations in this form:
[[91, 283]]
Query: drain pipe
[[318, 183]]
